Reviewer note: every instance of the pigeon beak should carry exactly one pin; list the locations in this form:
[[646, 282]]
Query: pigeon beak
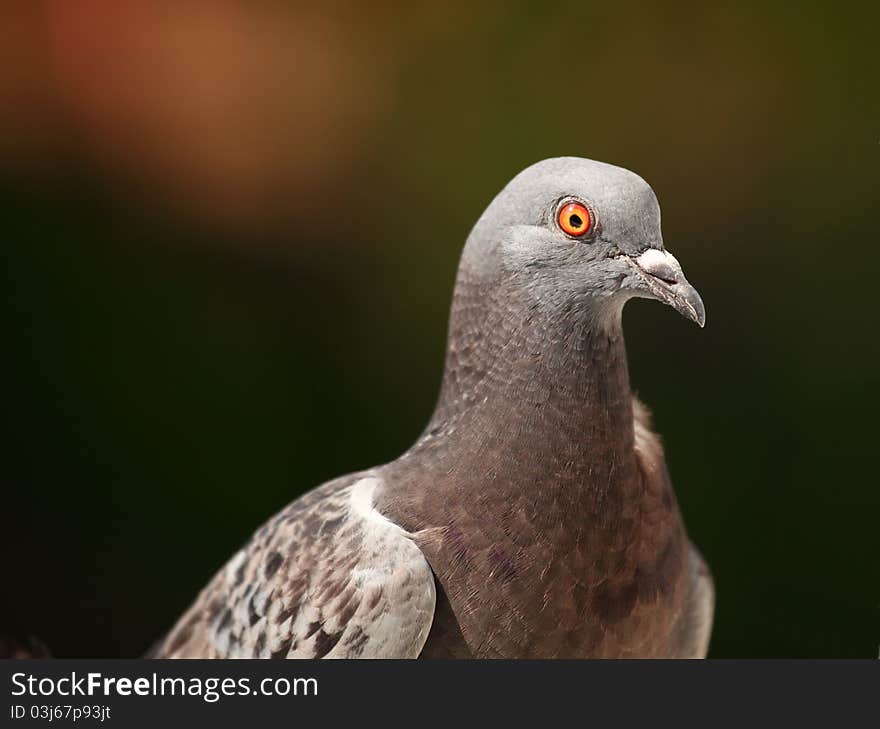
[[665, 281]]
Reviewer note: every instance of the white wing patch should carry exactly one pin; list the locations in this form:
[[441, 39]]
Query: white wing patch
[[696, 622], [328, 577]]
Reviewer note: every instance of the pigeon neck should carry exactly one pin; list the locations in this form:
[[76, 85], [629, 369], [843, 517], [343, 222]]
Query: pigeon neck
[[552, 386]]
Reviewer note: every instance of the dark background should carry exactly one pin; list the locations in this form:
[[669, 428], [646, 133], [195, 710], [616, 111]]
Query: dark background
[[230, 236]]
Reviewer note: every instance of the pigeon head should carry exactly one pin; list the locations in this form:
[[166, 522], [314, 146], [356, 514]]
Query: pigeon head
[[572, 233]]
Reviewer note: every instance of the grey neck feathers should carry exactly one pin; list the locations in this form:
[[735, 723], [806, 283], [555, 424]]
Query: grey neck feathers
[[532, 393]]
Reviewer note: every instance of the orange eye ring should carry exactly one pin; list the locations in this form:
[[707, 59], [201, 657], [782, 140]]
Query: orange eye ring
[[575, 219]]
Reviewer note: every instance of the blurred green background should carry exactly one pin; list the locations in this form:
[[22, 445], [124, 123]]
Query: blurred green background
[[231, 231]]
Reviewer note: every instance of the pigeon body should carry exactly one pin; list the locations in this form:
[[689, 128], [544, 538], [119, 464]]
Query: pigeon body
[[535, 517]]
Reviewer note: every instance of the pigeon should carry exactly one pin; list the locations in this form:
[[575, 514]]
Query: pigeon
[[534, 517]]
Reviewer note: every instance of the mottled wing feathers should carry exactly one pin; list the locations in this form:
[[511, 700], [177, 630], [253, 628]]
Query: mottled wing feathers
[[23, 648], [328, 577]]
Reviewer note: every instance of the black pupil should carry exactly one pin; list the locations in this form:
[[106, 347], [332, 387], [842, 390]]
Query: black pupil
[[575, 221]]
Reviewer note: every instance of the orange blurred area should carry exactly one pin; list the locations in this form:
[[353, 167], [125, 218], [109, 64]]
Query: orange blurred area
[[221, 110]]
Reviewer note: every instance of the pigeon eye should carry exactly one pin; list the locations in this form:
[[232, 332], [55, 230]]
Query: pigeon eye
[[575, 219]]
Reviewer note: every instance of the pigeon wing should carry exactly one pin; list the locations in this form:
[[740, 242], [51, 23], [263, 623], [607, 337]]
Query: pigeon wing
[[328, 577], [694, 627], [695, 624]]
